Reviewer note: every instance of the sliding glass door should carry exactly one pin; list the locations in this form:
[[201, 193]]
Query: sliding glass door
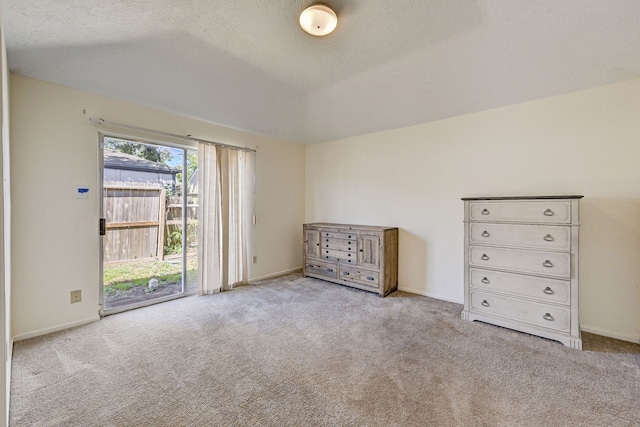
[[149, 223]]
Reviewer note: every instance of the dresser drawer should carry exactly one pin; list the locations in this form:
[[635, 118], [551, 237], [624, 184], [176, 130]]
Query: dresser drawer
[[555, 264], [548, 290], [322, 269], [532, 236], [547, 316], [338, 235], [339, 256], [339, 244], [351, 273], [551, 211]]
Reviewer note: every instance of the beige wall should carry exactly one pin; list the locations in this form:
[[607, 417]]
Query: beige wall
[[583, 143], [54, 149]]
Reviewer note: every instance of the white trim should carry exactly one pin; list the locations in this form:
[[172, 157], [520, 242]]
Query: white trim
[[7, 391], [596, 331], [57, 328], [100, 187], [271, 276], [428, 294]]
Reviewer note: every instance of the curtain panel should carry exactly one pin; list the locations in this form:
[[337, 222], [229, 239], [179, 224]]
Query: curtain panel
[[226, 180]]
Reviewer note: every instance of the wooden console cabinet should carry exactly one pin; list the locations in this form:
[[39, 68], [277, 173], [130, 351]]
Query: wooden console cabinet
[[360, 256]]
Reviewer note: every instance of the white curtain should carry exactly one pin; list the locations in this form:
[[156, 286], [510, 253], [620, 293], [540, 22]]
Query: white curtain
[[225, 211]]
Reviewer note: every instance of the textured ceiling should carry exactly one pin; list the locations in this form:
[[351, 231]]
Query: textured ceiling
[[247, 64]]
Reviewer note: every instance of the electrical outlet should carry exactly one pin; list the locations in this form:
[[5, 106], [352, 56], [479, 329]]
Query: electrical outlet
[[255, 259], [76, 296]]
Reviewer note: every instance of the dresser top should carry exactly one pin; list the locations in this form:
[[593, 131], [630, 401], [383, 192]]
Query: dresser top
[[349, 226], [524, 198]]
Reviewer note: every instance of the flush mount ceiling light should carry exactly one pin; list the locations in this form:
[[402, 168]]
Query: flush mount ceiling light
[[318, 20]]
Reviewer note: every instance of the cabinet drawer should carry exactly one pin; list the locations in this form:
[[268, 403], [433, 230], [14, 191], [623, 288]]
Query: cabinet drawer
[[322, 269], [339, 256], [530, 211], [350, 273], [549, 290], [339, 235], [533, 236], [547, 316], [339, 244], [523, 261]]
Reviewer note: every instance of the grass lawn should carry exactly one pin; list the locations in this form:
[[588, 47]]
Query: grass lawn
[[126, 276]]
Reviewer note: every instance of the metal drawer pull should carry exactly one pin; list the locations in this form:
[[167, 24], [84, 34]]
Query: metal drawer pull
[[485, 281], [484, 303], [330, 270], [485, 211], [548, 212], [548, 317], [548, 291], [485, 234], [547, 264], [309, 265], [370, 278], [549, 238], [345, 273], [484, 257]]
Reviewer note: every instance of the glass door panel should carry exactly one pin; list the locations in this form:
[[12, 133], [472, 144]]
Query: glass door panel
[[144, 206]]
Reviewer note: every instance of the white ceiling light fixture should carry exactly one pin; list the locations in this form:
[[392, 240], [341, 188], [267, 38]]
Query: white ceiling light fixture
[[318, 20]]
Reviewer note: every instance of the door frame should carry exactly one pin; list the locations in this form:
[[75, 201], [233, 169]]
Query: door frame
[[107, 311]]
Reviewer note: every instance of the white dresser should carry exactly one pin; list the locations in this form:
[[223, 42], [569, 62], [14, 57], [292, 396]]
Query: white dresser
[[521, 264], [360, 256]]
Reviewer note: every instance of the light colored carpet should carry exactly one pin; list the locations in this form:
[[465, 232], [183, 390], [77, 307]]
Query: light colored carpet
[[302, 352]]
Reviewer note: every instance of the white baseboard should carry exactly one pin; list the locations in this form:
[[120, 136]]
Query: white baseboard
[[10, 353], [635, 340], [271, 276], [55, 328], [7, 367], [428, 294]]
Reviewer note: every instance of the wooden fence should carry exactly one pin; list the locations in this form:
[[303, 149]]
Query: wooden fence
[[135, 218], [140, 222], [173, 224]]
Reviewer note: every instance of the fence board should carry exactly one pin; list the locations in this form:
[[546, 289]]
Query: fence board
[[133, 222], [162, 219]]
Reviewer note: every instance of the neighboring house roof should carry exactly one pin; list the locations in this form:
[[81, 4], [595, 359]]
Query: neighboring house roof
[[118, 160]]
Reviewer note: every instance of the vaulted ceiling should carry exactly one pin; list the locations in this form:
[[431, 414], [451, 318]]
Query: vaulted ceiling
[[247, 64]]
